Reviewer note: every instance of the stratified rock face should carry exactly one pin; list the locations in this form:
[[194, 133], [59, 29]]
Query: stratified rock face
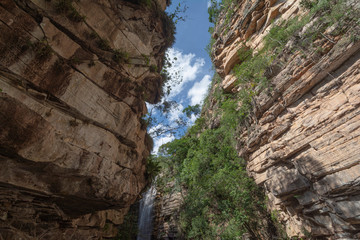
[[303, 145], [73, 77], [167, 209]]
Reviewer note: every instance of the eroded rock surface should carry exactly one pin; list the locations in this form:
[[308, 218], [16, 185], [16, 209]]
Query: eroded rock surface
[[303, 140], [74, 76], [167, 209]]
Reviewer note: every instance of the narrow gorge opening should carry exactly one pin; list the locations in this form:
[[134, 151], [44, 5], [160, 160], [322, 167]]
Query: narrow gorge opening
[[250, 165], [182, 119]]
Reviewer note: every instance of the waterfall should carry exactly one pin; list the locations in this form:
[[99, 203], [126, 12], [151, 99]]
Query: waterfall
[[145, 214]]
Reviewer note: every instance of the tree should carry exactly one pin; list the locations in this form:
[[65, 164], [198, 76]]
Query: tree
[[160, 120], [214, 11]]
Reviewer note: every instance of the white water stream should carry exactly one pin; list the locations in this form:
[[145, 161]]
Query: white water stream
[[146, 214]]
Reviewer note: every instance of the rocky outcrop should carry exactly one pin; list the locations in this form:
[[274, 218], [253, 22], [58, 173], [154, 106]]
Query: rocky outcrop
[[302, 141], [74, 76], [167, 213]]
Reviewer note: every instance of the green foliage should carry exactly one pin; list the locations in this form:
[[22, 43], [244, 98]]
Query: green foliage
[[252, 69], [93, 35], [103, 44], [169, 28], [42, 49], [218, 91], [120, 56], [106, 227], [170, 20], [328, 13], [73, 123], [75, 16], [197, 127], [152, 168], [91, 63], [146, 58], [250, 75], [280, 34], [355, 37], [222, 202], [75, 61], [217, 7], [244, 53], [159, 126], [210, 45], [128, 230], [214, 11], [177, 14], [66, 7], [308, 4], [153, 68], [59, 66], [321, 5], [63, 6], [274, 215], [339, 13], [159, 114], [190, 110]]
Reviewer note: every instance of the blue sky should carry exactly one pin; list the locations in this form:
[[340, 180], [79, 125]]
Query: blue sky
[[193, 62], [192, 35]]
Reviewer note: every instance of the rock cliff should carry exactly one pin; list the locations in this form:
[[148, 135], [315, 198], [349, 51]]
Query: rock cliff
[[301, 140], [74, 78], [167, 213]]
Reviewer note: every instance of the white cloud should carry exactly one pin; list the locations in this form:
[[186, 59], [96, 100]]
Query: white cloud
[[160, 141], [192, 119], [198, 92], [152, 131], [208, 4], [186, 66], [176, 112]]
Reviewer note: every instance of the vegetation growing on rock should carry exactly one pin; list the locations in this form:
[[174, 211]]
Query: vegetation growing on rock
[[71, 102], [221, 201]]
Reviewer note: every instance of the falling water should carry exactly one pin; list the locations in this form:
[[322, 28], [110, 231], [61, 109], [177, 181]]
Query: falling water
[[145, 214]]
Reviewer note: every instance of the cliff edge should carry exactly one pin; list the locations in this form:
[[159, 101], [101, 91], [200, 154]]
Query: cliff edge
[[74, 78], [302, 134]]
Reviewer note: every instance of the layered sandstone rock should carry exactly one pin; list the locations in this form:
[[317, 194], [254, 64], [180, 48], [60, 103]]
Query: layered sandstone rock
[[167, 213], [74, 76], [303, 140]]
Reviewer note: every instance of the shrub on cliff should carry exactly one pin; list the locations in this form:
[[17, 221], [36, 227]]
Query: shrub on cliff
[[221, 201], [169, 22], [217, 7], [66, 7], [169, 29]]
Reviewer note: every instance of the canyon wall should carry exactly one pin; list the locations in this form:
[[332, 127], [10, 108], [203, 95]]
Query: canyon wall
[[167, 209], [302, 138], [74, 78]]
